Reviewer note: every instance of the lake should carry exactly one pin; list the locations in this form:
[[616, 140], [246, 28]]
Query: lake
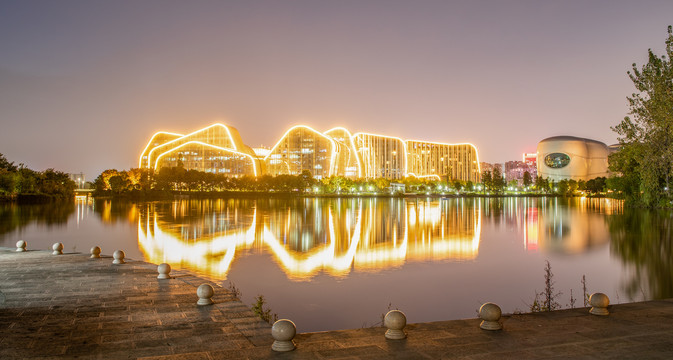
[[340, 263]]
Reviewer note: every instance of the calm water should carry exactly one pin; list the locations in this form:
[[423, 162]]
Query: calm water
[[341, 263]]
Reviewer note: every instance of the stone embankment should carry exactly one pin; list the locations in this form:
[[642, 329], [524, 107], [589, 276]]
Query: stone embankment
[[74, 306]]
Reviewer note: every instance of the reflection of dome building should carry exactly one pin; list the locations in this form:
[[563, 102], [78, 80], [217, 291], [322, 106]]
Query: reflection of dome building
[[569, 157]]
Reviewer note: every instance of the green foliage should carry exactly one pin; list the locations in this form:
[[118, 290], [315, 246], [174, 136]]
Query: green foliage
[[527, 179], [19, 180], [264, 314], [645, 160]]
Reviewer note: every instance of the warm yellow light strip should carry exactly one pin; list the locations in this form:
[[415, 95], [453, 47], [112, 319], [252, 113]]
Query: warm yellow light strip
[[404, 147], [355, 152], [231, 139], [254, 167], [140, 161], [334, 146], [476, 152], [159, 247], [425, 176]]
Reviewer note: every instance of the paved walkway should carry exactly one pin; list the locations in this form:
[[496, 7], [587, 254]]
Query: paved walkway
[[70, 306]]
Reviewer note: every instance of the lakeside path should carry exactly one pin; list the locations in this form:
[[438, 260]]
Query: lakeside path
[[70, 306]]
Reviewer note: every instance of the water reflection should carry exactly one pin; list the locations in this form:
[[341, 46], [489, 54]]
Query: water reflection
[[309, 236], [643, 240], [15, 217]]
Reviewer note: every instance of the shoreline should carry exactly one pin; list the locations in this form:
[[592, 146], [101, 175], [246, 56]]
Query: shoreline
[[73, 306]]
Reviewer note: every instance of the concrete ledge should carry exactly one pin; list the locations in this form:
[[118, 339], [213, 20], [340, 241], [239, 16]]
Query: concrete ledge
[[72, 306]]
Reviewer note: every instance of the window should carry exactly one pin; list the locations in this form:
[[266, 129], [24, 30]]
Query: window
[[556, 160]]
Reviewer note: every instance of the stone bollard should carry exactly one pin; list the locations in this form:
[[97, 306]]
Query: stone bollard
[[58, 249], [490, 314], [20, 246], [395, 321], [95, 252], [205, 292], [118, 257], [163, 270], [283, 331], [599, 304]]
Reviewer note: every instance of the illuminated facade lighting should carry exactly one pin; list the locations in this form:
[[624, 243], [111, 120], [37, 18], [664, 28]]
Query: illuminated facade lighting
[[302, 148], [451, 161], [347, 162], [381, 156], [336, 152]]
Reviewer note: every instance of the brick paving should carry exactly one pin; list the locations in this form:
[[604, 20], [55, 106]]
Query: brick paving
[[70, 306]]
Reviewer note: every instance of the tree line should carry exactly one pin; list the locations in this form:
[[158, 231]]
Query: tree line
[[18, 180], [178, 179], [172, 179]]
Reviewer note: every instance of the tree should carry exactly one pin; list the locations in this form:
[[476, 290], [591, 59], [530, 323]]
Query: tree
[[646, 136], [498, 180], [527, 179], [487, 179]]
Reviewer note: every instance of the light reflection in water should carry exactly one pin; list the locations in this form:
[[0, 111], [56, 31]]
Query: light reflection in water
[[333, 237]]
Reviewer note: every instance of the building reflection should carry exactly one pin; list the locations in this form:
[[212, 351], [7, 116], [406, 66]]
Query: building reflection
[[563, 225], [306, 237]]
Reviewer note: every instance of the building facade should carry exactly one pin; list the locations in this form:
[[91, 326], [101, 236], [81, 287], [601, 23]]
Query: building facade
[[572, 158], [443, 161], [219, 149]]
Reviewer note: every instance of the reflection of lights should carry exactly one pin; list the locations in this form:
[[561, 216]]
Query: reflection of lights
[[160, 246], [426, 231]]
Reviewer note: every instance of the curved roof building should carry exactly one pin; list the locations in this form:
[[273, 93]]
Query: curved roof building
[[571, 158], [219, 148]]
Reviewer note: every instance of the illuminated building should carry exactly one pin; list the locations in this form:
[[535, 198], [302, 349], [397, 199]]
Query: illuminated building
[[336, 152], [381, 156], [347, 162], [217, 148], [452, 161], [569, 157], [302, 148]]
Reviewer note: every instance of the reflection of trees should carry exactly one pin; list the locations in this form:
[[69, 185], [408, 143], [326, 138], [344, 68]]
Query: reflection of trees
[[14, 216], [642, 238]]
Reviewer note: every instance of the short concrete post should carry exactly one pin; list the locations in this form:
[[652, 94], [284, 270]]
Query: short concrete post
[[95, 252], [283, 331], [118, 256], [395, 321], [205, 292], [599, 303], [163, 270], [20, 246], [490, 314], [58, 249]]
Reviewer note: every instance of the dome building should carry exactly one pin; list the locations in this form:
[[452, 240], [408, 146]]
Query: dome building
[[572, 158]]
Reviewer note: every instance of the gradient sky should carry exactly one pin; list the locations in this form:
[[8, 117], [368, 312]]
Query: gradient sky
[[84, 84]]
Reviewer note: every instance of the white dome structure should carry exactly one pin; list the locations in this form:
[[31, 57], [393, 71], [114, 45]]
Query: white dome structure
[[571, 158]]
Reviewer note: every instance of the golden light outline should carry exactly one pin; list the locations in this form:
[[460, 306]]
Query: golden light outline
[[476, 152], [404, 147], [353, 148], [231, 138], [425, 176], [191, 254], [140, 161], [254, 167], [334, 147]]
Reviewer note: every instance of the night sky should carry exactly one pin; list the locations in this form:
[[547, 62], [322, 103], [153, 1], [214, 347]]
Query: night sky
[[84, 84]]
